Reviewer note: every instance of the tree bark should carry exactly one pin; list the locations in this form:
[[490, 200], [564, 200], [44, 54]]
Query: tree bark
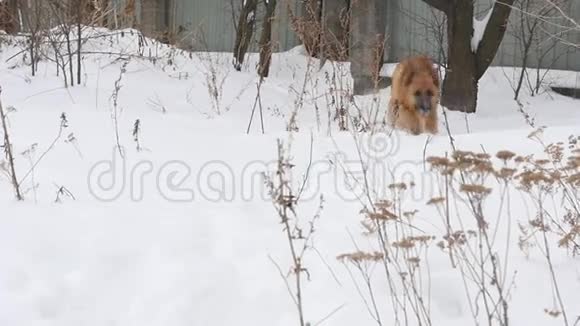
[[9, 17], [266, 47], [335, 30], [366, 50], [245, 31], [460, 84], [493, 35], [150, 10], [81, 19], [466, 67]]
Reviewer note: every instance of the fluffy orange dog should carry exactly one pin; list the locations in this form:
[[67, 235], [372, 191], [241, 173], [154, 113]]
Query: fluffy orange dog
[[414, 96]]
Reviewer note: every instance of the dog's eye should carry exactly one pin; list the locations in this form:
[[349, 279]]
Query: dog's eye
[[417, 93], [429, 93]]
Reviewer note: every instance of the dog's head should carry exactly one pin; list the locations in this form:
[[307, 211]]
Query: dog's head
[[422, 84]]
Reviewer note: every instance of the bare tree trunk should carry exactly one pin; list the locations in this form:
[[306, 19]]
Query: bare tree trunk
[[245, 31], [526, 41], [9, 18], [366, 52], [80, 20], [14, 10], [67, 31], [150, 17], [466, 65], [31, 18], [129, 13], [460, 84], [335, 30], [266, 47], [524, 70]]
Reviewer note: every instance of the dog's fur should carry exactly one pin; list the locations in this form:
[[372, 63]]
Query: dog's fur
[[414, 96]]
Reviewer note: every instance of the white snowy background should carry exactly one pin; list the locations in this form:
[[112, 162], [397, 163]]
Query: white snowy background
[[146, 253]]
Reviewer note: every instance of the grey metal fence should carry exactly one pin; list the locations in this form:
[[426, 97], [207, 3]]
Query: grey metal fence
[[412, 27]]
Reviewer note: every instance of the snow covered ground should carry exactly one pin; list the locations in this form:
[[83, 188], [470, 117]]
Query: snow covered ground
[[182, 232]]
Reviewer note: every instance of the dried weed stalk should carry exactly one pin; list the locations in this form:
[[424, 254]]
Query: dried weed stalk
[[298, 235]]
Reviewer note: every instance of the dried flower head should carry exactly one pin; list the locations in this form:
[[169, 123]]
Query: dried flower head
[[361, 256], [542, 162], [406, 243], [475, 189], [436, 201], [528, 179], [506, 173], [574, 180], [505, 155], [438, 162]]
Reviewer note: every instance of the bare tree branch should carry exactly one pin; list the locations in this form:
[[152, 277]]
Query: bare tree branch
[[493, 35]]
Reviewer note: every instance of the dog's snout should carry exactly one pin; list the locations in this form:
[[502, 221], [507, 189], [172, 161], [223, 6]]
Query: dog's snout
[[424, 104]]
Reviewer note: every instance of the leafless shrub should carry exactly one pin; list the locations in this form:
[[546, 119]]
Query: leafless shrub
[[401, 249], [215, 72], [338, 95], [308, 26], [566, 24], [403, 255], [531, 29], [63, 125], [60, 11], [36, 24], [463, 180], [364, 263], [298, 234], [306, 88], [10, 169], [29, 154], [468, 178], [115, 106], [332, 89]]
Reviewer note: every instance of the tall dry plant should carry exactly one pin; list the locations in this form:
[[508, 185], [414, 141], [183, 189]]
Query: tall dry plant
[[308, 26], [400, 249], [285, 198], [7, 146], [470, 179], [464, 177], [215, 75], [115, 110]]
